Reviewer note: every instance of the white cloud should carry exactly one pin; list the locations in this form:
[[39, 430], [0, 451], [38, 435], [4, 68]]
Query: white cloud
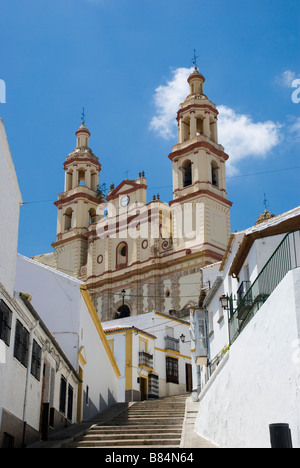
[[295, 128], [166, 100], [238, 133], [286, 78], [242, 138]]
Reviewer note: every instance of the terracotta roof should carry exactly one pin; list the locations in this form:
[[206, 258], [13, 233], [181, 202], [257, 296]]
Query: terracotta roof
[[128, 327]]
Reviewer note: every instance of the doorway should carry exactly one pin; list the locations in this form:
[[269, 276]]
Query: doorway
[[188, 378], [143, 388]]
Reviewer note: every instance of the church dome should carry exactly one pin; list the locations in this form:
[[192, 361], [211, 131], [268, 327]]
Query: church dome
[[83, 129], [265, 216]]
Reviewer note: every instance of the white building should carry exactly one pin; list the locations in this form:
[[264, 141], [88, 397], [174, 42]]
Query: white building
[[10, 202], [38, 384], [32, 365], [252, 308], [66, 307], [152, 359]]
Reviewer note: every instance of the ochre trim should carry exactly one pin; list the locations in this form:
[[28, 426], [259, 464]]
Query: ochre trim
[[89, 303], [173, 354], [81, 358], [128, 360]]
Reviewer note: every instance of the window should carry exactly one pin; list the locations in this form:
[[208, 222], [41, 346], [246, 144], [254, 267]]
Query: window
[[92, 216], [68, 219], [214, 174], [70, 403], [172, 370], [5, 322], [187, 173], [36, 360], [122, 254], [21, 344], [153, 383], [81, 177], [62, 394]]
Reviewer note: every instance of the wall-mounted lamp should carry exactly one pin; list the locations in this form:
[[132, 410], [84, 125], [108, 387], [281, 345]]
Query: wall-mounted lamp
[[182, 339], [224, 300]]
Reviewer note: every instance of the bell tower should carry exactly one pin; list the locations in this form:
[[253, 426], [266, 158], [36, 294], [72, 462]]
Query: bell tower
[[199, 178], [77, 205]]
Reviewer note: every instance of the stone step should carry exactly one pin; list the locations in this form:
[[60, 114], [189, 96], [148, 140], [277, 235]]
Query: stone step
[[128, 442], [155, 423], [150, 414], [135, 429], [142, 422], [128, 436]]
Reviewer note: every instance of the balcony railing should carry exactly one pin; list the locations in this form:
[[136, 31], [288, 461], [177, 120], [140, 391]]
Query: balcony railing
[[285, 258], [172, 343], [243, 289], [145, 359]]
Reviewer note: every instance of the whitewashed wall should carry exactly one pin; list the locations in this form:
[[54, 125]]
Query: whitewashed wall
[[58, 300], [258, 382], [10, 200]]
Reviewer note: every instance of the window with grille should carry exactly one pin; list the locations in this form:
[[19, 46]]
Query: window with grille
[[21, 344], [5, 322], [36, 360], [63, 395], [172, 370], [70, 403]]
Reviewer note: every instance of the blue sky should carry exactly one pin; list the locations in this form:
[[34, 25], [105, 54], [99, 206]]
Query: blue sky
[[121, 59]]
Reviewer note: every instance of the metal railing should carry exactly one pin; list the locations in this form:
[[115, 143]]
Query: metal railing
[[171, 343], [145, 359], [285, 258]]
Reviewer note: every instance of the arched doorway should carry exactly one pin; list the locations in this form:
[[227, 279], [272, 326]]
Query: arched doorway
[[123, 311]]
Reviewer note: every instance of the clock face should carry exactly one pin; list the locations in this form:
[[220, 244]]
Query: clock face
[[125, 200]]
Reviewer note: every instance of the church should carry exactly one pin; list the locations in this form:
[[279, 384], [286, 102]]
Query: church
[[137, 255]]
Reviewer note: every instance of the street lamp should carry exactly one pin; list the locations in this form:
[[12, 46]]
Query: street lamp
[[123, 292], [224, 301], [182, 338]]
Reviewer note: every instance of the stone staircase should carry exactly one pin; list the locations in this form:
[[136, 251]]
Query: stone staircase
[[152, 423]]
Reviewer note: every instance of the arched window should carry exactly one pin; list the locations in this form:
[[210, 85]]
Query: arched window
[[122, 254], [199, 126], [81, 177], [92, 216], [186, 173], [214, 174], [68, 218], [186, 129]]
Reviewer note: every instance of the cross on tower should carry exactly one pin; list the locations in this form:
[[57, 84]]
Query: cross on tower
[[83, 115], [195, 58]]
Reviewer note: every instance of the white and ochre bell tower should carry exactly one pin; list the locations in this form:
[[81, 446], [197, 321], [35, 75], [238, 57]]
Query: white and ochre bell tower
[[77, 206], [199, 179]]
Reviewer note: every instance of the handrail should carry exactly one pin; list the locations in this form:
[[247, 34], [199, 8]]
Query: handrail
[[283, 259]]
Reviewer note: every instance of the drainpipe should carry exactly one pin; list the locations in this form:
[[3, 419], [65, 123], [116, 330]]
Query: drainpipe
[[27, 380]]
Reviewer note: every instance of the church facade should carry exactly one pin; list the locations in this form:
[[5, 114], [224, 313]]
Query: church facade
[[137, 255]]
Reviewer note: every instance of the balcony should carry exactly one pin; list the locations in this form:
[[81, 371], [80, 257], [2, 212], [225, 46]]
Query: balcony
[[172, 343], [145, 359], [285, 258]]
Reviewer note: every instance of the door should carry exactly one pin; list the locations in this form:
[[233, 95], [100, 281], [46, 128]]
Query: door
[[188, 378], [143, 388]]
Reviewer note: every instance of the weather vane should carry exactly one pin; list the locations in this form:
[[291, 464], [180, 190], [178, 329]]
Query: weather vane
[[265, 201], [195, 58], [83, 115]]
